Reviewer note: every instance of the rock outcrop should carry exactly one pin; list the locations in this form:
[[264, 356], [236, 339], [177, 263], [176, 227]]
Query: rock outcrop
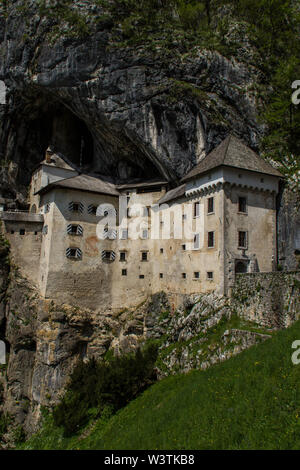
[[124, 113]]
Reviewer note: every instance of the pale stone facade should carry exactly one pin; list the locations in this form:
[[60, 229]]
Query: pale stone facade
[[229, 203]]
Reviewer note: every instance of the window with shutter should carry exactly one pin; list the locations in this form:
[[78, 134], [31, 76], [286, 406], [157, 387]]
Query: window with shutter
[[73, 253]]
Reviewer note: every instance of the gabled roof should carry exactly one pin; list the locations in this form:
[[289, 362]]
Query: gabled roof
[[57, 162], [83, 183], [232, 152], [173, 194]]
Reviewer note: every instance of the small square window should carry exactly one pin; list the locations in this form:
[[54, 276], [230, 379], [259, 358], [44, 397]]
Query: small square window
[[210, 275], [141, 276], [161, 250], [210, 205], [161, 275], [183, 247], [22, 231], [242, 204], [12, 232], [196, 275], [124, 272], [144, 256], [35, 233], [211, 239], [183, 275], [242, 239], [122, 256]]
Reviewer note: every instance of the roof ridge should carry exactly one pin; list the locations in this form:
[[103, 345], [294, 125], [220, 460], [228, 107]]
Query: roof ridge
[[227, 147]]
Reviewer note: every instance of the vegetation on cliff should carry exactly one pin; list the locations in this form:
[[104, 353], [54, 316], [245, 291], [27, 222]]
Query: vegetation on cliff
[[95, 387], [251, 401], [261, 33]]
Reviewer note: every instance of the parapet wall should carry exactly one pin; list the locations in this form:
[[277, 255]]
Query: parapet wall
[[270, 299]]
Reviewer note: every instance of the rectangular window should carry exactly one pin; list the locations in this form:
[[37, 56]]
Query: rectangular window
[[183, 275], [144, 255], [242, 204], [22, 231], [211, 239], [47, 208], [183, 247], [122, 255], [124, 272], [197, 241], [210, 205], [242, 239], [141, 276], [12, 232], [147, 211], [124, 234], [161, 250], [196, 275], [161, 275], [210, 275], [145, 234], [196, 209]]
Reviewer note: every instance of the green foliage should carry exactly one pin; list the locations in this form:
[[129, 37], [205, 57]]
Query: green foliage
[[18, 435], [251, 401], [98, 385]]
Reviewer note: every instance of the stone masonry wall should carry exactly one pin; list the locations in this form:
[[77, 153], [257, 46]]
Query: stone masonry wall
[[270, 299]]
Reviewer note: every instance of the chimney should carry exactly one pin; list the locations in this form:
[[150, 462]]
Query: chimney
[[49, 153]]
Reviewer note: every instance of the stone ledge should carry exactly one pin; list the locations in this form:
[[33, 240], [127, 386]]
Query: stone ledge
[[22, 217]]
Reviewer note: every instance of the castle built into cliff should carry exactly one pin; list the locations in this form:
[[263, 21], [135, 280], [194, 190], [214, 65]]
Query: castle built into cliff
[[88, 242]]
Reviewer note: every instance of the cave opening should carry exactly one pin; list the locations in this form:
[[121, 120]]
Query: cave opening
[[92, 144], [65, 132]]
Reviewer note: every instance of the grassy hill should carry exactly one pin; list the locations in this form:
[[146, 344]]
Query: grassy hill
[[251, 401]]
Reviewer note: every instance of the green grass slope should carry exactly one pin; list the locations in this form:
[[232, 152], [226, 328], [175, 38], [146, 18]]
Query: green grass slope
[[251, 401]]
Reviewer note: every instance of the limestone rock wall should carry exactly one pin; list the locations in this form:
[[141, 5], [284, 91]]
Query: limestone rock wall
[[270, 299]]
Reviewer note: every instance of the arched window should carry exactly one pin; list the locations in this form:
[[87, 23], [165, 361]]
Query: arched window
[[76, 207], [108, 255], [73, 229], [73, 253]]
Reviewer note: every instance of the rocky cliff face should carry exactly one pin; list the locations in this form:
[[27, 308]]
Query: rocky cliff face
[[123, 113], [136, 113]]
